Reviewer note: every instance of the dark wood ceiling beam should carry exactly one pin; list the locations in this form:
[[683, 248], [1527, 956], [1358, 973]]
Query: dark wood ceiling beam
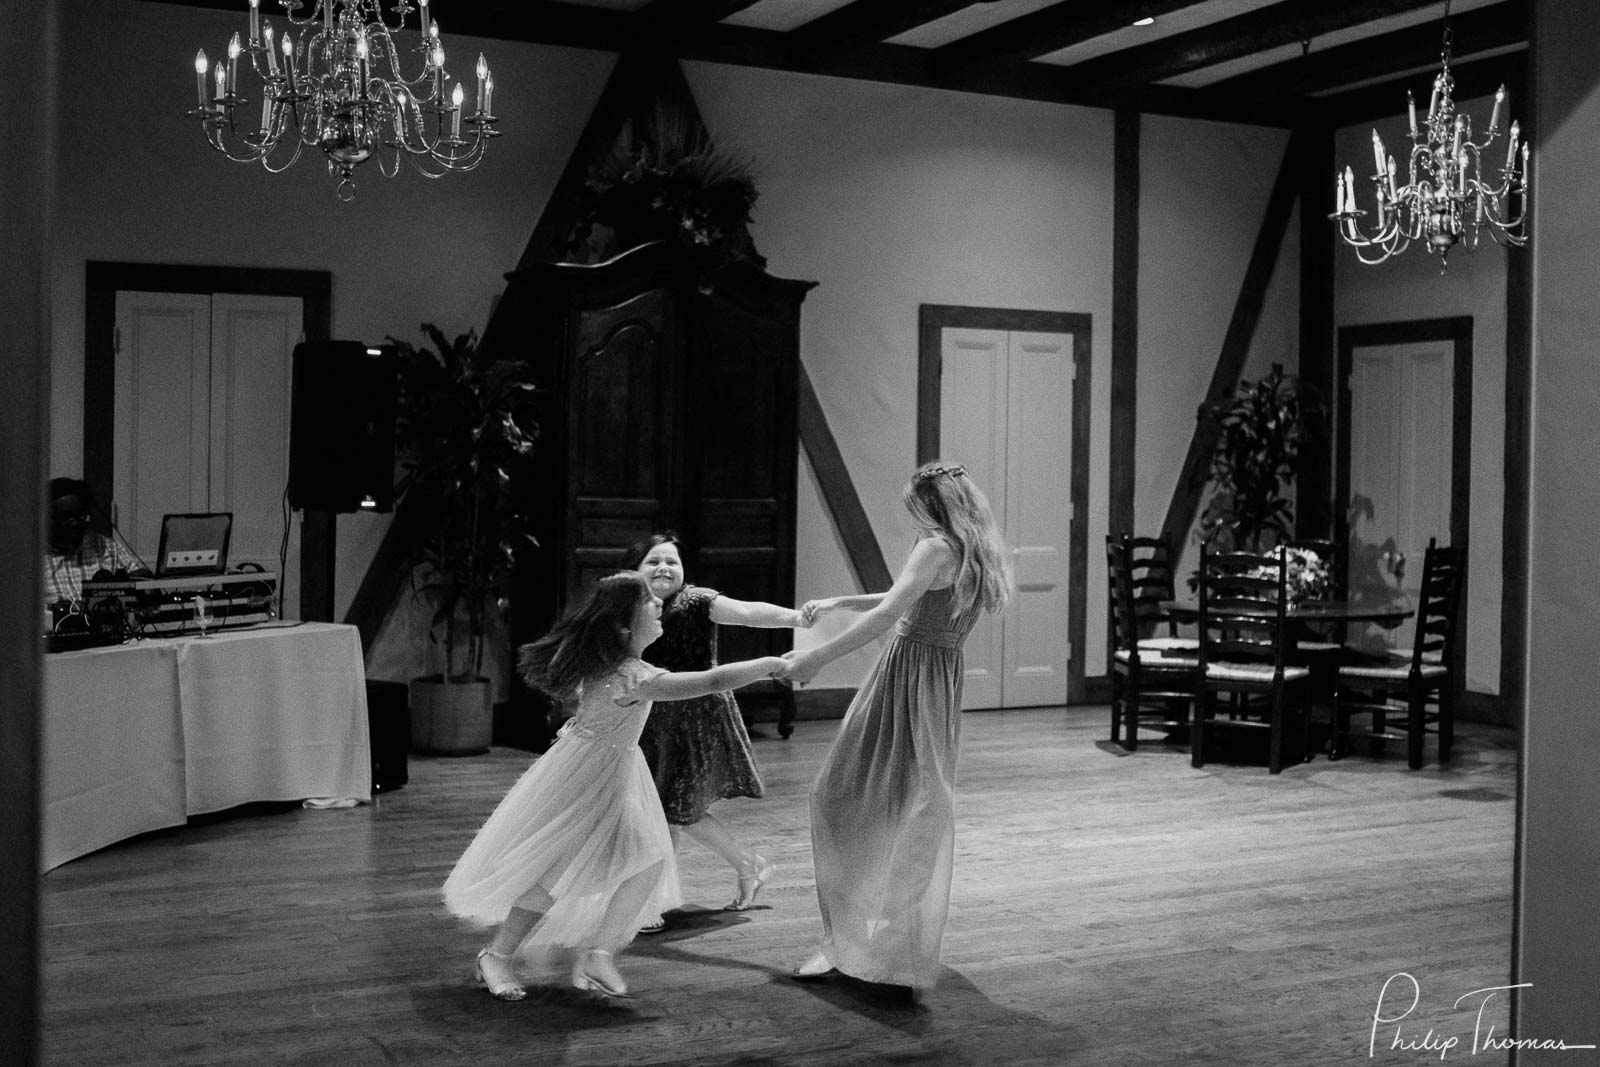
[[1289, 22], [1486, 28], [1474, 79], [869, 22], [689, 14], [1051, 29]]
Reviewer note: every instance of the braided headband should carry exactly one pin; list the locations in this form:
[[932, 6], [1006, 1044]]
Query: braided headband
[[927, 473]]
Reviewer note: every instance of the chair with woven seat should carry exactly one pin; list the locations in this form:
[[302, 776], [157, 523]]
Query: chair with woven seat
[[1150, 565], [1245, 642], [1150, 687], [1416, 686]]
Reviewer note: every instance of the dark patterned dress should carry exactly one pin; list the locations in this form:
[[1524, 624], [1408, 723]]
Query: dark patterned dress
[[697, 750]]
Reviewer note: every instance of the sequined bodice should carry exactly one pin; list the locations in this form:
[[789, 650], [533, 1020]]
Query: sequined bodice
[[601, 719]]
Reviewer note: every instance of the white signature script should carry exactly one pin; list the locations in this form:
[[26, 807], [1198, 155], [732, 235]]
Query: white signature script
[[1484, 1038]]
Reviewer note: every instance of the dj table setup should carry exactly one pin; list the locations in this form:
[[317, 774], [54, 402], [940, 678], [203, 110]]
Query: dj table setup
[[180, 693]]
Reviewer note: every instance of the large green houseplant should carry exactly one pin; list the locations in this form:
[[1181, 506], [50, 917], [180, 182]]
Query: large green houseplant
[[465, 434], [1266, 433]]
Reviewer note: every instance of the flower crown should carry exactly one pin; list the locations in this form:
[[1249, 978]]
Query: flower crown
[[928, 473]]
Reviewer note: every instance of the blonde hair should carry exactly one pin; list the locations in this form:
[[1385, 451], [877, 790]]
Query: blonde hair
[[942, 497]]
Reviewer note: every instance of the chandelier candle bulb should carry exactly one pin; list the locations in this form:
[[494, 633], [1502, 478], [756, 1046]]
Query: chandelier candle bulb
[[362, 52], [1494, 116], [233, 65], [327, 18], [488, 95], [1338, 193], [288, 60], [1377, 154], [1349, 190], [272, 53], [266, 113], [483, 75], [423, 4], [1511, 149], [1392, 194], [456, 97], [222, 83], [255, 23], [200, 77], [1433, 102], [1411, 110]]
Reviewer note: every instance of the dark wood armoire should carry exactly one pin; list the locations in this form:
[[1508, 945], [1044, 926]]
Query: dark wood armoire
[[668, 401]]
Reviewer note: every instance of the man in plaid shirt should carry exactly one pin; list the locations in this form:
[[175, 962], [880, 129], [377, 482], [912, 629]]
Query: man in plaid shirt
[[77, 553]]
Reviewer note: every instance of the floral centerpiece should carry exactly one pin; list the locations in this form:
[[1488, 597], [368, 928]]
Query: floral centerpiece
[[1308, 573], [668, 184]]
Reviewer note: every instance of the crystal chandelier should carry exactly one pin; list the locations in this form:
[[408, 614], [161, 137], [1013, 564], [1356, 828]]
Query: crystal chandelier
[[340, 88], [1446, 198]]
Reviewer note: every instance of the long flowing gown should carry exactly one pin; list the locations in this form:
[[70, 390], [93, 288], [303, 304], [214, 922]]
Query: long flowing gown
[[883, 805], [578, 823], [697, 749]]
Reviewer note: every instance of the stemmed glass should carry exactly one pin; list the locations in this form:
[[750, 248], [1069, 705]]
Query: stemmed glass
[[202, 614]]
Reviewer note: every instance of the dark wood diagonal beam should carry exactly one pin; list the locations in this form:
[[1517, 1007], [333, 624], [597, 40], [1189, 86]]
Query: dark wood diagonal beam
[[1476, 31], [1051, 29], [839, 491], [1236, 343], [869, 22], [1286, 23]]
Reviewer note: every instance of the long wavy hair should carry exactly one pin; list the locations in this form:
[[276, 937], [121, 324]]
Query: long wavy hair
[[589, 640], [941, 496]]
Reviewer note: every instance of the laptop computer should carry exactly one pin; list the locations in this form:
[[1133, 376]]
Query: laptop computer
[[193, 545]]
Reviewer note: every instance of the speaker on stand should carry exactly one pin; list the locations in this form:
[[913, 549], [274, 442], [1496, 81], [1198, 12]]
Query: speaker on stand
[[341, 427]]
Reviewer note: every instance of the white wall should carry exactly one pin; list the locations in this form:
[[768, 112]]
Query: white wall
[[1410, 287]]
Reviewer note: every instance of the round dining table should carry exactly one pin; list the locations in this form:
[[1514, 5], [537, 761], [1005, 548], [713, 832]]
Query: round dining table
[[1385, 613]]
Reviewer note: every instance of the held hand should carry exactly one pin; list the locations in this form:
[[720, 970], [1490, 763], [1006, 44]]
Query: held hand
[[814, 609], [802, 667]]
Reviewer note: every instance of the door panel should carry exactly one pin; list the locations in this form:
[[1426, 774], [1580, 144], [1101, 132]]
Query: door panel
[[972, 405], [1038, 506], [162, 413], [252, 344], [1400, 469]]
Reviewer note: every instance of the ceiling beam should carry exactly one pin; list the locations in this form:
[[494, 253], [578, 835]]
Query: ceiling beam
[[686, 14], [1481, 30], [1284, 23], [1051, 29], [1387, 100], [870, 22]]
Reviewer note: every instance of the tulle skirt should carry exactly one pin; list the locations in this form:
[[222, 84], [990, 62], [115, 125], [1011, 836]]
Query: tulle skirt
[[579, 823]]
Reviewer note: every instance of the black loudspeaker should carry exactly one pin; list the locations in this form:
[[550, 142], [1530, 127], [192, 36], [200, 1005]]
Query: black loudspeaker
[[341, 427], [389, 724]]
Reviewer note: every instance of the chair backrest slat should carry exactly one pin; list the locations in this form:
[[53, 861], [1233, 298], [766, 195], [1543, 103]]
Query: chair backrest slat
[[1243, 604], [1438, 606]]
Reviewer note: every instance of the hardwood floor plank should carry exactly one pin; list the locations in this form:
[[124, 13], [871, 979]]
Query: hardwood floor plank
[[1107, 909]]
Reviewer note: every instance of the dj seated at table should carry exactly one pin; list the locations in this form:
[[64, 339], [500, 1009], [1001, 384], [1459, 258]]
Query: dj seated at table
[[76, 553]]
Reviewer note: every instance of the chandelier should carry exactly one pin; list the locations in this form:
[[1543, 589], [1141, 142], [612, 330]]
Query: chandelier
[[1446, 198], [340, 88]]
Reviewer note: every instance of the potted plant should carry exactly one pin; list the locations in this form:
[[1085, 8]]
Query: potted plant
[[464, 438], [1263, 433]]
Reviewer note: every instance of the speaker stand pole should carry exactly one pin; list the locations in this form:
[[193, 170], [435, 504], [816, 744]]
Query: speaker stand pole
[[318, 550]]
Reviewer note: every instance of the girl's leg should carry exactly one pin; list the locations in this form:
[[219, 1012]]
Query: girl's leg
[[495, 968], [753, 870], [596, 969]]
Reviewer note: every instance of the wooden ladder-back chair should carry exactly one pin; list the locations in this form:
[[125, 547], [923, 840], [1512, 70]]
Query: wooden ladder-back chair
[[1150, 687], [1244, 645], [1150, 563], [1419, 689]]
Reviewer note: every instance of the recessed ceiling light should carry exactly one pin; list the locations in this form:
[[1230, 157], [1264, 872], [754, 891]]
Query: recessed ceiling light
[[1146, 21]]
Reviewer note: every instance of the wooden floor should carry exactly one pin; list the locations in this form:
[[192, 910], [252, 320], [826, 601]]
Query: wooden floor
[[1108, 909]]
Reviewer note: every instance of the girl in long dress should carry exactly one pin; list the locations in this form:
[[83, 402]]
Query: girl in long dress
[[883, 804], [577, 855], [698, 750]]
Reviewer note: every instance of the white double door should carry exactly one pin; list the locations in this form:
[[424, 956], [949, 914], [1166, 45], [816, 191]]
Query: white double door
[[1401, 454], [1006, 414], [201, 422]]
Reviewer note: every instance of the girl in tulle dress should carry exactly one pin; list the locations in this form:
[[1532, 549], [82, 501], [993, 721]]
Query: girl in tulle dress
[[883, 804], [577, 856]]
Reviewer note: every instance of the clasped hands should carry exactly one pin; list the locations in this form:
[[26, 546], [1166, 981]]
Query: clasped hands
[[802, 666]]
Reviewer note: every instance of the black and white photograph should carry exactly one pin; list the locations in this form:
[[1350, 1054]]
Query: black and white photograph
[[796, 533]]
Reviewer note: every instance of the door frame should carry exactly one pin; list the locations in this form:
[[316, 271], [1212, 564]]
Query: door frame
[[1458, 331], [932, 320], [102, 281]]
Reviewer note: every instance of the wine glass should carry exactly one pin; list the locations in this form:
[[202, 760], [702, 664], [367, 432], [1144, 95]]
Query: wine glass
[[202, 614]]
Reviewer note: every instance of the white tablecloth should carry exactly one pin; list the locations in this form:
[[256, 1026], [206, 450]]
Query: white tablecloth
[[138, 737]]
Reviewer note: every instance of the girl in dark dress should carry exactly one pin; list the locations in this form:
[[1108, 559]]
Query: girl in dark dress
[[698, 750]]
